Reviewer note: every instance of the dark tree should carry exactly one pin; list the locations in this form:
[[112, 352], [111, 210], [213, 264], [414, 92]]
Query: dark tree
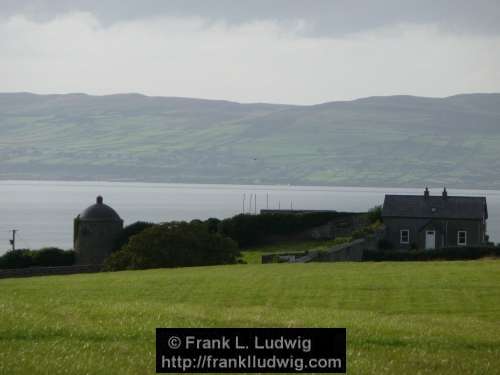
[[375, 214], [53, 257], [175, 244], [129, 231], [16, 259]]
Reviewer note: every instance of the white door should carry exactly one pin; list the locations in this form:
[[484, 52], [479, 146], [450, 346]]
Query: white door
[[430, 239]]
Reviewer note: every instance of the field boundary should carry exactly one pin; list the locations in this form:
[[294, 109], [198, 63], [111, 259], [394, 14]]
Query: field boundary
[[46, 271]]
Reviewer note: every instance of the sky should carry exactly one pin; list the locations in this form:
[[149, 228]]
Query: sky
[[280, 51]]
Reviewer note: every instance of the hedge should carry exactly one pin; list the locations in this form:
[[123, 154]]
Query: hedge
[[452, 253], [46, 257], [249, 230]]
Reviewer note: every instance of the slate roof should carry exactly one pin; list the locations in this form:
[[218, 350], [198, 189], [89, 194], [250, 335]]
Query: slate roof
[[452, 207], [99, 211]]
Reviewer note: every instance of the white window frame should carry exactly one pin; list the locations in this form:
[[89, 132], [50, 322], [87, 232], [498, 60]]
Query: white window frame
[[465, 238], [401, 236]]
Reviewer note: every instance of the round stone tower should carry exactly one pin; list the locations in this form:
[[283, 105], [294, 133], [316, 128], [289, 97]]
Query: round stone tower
[[95, 232]]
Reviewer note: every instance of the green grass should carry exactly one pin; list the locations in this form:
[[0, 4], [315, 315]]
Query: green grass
[[254, 255], [402, 318]]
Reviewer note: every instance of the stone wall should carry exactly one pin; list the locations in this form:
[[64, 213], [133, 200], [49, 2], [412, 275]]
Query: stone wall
[[346, 252], [349, 252], [45, 271], [352, 251]]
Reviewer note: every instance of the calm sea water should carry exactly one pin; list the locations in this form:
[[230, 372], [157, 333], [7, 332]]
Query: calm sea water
[[43, 211]]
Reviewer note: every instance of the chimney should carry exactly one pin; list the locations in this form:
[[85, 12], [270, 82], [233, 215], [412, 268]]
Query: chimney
[[99, 200], [426, 193], [445, 193]]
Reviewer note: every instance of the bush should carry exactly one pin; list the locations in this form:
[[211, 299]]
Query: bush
[[384, 244], [53, 257], [453, 253], [46, 257], [174, 245], [129, 231], [213, 225], [16, 259], [362, 233], [375, 214]]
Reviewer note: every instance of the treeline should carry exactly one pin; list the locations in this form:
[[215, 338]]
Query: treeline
[[46, 257], [176, 244], [251, 230], [213, 241], [451, 253]]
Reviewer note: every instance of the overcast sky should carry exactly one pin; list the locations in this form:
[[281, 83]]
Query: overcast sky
[[298, 52]]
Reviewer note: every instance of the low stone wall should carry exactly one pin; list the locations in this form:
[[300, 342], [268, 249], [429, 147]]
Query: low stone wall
[[352, 251], [349, 252], [282, 257], [45, 271], [346, 252]]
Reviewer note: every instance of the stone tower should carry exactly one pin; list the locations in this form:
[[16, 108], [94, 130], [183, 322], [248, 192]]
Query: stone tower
[[95, 231]]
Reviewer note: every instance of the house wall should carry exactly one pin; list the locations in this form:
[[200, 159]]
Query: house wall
[[393, 227], [475, 230], [446, 231]]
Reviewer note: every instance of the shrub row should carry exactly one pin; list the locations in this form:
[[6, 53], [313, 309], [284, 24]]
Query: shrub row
[[250, 230], [454, 253], [46, 257]]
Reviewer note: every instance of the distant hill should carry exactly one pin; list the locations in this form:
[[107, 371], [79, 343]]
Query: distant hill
[[376, 141]]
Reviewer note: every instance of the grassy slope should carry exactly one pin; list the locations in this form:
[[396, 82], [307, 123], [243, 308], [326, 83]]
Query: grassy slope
[[368, 142], [434, 317]]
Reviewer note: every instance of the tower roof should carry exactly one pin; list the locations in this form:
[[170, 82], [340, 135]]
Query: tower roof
[[99, 211]]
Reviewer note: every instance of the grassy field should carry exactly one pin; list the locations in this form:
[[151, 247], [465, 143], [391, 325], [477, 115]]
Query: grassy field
[[402, 318]]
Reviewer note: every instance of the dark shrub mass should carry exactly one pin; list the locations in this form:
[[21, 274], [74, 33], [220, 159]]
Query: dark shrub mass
[[46, 257], [249, 230], [375, 214], [129, 231], [175, 244], [16, 259], [53, 257], [213, 224], [384, 244], [453, 253]]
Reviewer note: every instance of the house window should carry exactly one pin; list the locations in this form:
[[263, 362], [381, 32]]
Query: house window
[[462, 238], [404, 236]]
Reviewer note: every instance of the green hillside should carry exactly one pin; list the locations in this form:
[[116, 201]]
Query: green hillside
[[379, 141], [402, 318]]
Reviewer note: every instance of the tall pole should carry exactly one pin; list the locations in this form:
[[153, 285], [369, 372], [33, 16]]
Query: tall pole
[[255, 204], [244, 197], [267, 201], [13, 240]]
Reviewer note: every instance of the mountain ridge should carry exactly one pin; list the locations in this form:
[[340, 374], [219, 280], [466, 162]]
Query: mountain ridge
[[398, 140]]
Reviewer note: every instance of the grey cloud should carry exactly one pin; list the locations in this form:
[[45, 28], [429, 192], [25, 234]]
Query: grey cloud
[[325, 17]]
